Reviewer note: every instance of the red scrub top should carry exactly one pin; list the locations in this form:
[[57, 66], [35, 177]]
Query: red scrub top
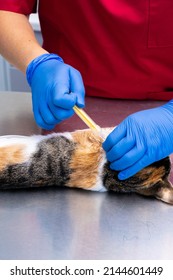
[[123, 48]]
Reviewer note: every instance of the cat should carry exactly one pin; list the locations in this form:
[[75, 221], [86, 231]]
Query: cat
[[76, 160]]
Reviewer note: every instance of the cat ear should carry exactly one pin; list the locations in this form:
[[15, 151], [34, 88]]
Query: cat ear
[[165, 192]]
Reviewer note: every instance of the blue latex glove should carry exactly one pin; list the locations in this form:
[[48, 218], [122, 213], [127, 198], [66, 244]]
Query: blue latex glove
[[56, 88], [141, 139]]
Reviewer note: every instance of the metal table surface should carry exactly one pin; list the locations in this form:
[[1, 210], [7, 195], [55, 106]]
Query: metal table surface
[[59, 223]]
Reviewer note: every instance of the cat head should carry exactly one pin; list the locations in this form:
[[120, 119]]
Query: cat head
[[157, 184], [150, 181]]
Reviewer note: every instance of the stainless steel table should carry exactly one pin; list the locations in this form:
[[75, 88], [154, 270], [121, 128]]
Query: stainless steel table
[[74, 224]]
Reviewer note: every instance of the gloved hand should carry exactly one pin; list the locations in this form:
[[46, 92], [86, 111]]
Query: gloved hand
[[141, 139], [56, 88]]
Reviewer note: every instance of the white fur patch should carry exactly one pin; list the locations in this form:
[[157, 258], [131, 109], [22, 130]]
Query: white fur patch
[[104, 132], [54, 134], [30, 142], [99, 182]]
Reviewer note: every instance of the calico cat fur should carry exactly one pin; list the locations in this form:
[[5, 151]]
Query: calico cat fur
[[75, 160]]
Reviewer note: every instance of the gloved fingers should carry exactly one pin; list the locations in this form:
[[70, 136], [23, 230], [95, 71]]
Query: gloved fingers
[[132, 170], [61, 95], [40, 121], [115, 136], [46, 114], [77, 87], [120, 149], [58, 112], [128, 160]]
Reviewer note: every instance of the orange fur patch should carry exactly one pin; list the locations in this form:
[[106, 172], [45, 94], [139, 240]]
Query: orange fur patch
[[11, 155], [85, 160], [153, 174]]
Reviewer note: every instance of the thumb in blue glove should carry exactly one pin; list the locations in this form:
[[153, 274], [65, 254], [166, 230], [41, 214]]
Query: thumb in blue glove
[[141, 139], [56, 87]]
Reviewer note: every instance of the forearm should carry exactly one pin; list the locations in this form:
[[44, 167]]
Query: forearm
[[18, 43]]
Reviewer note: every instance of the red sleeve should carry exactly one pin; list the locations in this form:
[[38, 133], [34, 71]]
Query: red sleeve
[[17, 6]]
